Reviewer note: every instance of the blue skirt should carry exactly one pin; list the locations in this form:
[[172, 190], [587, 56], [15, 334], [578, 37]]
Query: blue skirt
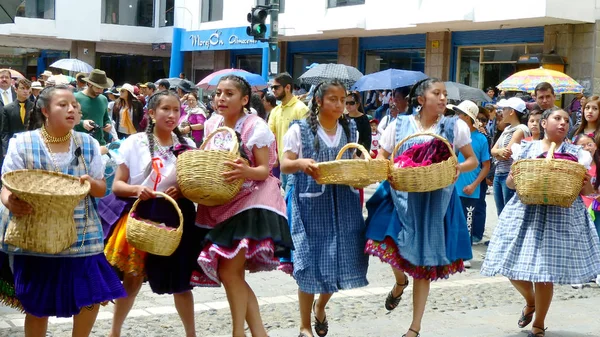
[[61, 286]]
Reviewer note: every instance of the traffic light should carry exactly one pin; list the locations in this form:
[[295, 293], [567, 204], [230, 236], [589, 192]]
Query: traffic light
[[257, 18]]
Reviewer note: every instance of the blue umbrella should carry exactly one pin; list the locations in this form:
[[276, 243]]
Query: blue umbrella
[[256, 81], [388, 79]]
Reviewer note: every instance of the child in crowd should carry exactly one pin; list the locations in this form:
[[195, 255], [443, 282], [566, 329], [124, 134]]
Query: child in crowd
[[375, 136], [327, 224], [533, 123]]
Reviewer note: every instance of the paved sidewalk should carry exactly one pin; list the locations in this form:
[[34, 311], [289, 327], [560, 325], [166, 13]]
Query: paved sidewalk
[[571, 318]]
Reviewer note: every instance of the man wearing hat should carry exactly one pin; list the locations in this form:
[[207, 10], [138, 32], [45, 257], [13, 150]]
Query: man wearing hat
[[184, 88], [94, 105], [36, 88], [81, 84], [44, 77], [468, 183]]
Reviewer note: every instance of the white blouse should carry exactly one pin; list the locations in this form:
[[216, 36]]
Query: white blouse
[[260, 136], [292, 140], [462, 135], [135, 154], [13, 161]]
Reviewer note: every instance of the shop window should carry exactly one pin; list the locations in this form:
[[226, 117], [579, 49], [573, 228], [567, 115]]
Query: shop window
[[487, 66], [212, 10], [302, 61], [407, 59], [267, 2], [342, 3], [37, 9], [128, 12], [167, 13], [251, 63]]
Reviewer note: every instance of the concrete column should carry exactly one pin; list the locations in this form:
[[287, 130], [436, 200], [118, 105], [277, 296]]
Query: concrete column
[[84, 51], [437, 55], [222, 60], [348, 51]]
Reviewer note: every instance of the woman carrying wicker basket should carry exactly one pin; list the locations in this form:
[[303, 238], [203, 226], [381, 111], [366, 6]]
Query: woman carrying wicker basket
[[74, 281], [251, 229], [536, 246], [148, 164], [327, 224], [421, 234]]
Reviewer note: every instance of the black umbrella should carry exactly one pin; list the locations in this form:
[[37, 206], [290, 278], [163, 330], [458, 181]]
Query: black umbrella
[[8, 10]]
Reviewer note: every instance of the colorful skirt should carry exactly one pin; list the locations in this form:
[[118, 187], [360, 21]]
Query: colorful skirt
[[165, 274], [384, 228], [57, 286], [263, 234]]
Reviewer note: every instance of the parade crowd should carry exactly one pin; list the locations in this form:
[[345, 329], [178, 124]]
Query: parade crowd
[[282, 219]]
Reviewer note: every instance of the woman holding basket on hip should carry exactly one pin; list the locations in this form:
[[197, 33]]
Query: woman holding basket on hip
[[74, 281], [148, 165], [423, 235]]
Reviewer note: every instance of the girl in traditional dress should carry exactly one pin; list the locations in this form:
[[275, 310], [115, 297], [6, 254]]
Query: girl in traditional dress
[[327, 224], [147, 164], [193, 121], [424, 235], [536, 246], [72, 282], [250, 231]]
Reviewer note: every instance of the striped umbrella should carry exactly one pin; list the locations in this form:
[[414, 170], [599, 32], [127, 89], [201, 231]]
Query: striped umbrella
[[204, 83], [73, 65], [321, 72], [527, 80]]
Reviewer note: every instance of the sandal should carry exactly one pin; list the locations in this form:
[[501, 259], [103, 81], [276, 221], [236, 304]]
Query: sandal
[[391, 301], [538, 334], [526, 319], [321, 327], [418, 334]]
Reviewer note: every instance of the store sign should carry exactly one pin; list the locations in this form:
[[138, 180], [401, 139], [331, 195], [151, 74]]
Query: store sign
[[220, 39]]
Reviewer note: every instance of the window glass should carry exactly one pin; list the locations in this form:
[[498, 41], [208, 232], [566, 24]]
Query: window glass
[[341, 3], [502, 53], [212, 10], [167, 13], [469, 66], [128, 12], [37, 9], [408, 59]]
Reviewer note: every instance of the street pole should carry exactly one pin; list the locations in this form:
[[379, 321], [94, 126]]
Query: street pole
[[273, 46]]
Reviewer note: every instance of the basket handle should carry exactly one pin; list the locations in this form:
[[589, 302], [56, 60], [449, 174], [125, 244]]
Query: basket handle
[[168, 198], [236, 145], [397, 147], [550, 154], [353, 146]]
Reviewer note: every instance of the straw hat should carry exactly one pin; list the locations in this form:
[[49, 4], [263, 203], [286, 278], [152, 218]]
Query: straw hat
[[36, 85], [98, 78], [129, 88]]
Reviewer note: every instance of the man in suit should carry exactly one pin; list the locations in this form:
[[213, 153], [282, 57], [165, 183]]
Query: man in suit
[[16, 115], [7, 92]]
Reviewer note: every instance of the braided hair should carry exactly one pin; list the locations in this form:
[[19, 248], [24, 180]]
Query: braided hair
[[246, 90], [153, 103], [313, 106], [37, 118], [417, 90]]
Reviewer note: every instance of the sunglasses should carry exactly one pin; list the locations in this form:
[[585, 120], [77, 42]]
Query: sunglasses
[[275, 87], [350, 103]]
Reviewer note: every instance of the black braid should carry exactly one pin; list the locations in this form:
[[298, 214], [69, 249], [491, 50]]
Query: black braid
[[345, 125], [150, 134], [242, 84]]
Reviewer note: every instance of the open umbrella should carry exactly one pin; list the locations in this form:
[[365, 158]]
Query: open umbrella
[[317, 74], [14, 73], [173, 81], [74, 65], [527, 80], [256, 81], [204, 82], [388, 79], [461, 92]]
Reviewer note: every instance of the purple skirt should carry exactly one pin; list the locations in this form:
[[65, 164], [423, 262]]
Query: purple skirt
[[62, 286]]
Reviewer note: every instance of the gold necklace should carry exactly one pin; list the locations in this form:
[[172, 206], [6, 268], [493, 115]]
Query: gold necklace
[[420, 126], [333, 129], [54, 140]]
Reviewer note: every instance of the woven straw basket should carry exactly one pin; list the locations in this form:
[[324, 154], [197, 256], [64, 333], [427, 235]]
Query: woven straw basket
[[199, 173], [423, 178], [357, 173], [549, 181], [50, 228], [147, 236]]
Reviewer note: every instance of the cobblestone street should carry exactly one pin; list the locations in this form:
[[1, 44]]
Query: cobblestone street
[[465, 305]]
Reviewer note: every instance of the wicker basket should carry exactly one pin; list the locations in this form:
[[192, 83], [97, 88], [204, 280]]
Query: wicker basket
[[146, 235], [549, 181], [50, 228], [199, 173], [357, 173], [423, 178]]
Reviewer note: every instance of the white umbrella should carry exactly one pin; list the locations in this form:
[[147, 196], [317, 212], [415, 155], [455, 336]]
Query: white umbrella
[[73, 65]]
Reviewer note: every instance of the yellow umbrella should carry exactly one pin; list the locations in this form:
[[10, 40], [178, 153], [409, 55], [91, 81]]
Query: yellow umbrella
[[527, 80]]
